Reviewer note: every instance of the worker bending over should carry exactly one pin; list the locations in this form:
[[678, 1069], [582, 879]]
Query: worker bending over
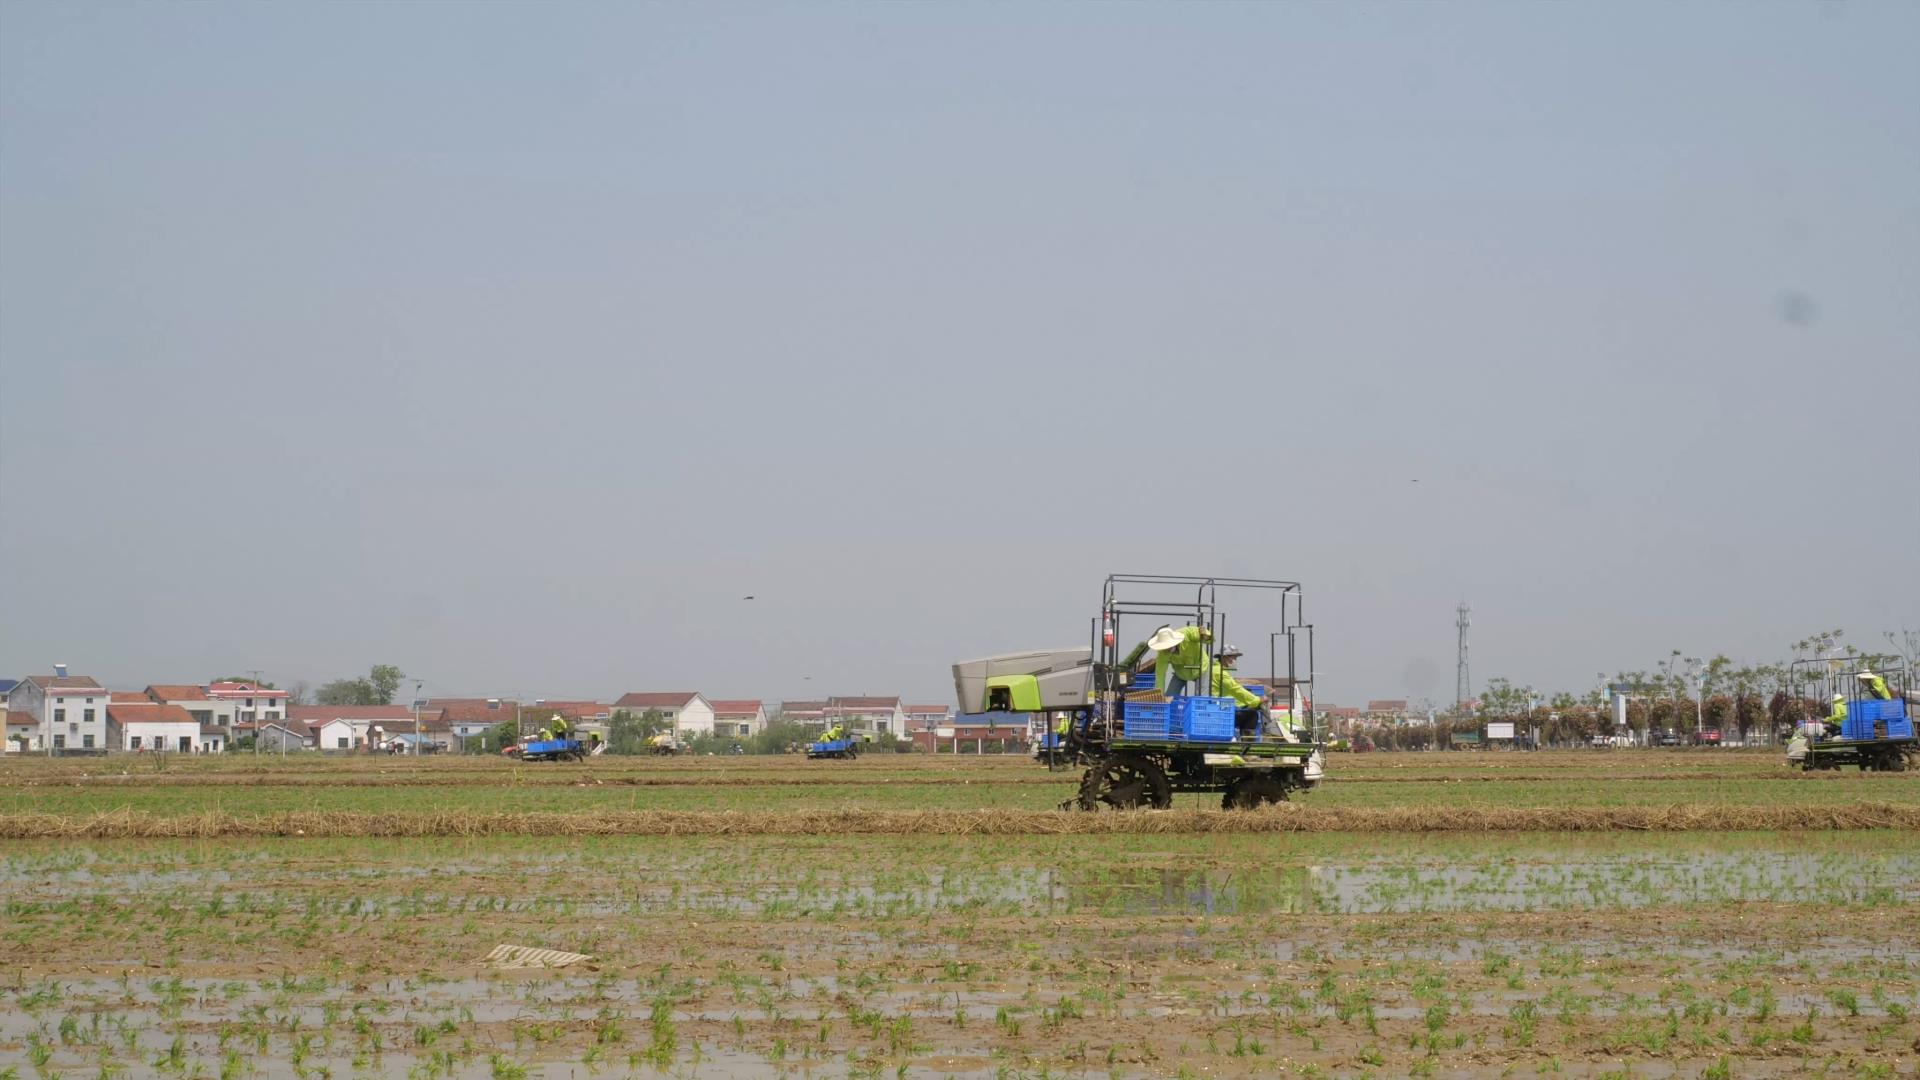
[[1876, 686], [1247, 704], [559, 726], [1181, 657]]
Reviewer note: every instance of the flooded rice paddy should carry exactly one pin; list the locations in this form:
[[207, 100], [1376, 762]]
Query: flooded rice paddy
[[1605, 954]]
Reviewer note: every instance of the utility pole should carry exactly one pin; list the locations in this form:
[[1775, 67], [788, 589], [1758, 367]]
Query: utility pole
[[1463, 684]]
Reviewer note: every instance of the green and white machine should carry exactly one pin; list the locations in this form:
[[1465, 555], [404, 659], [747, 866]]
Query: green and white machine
[[1139, 745]]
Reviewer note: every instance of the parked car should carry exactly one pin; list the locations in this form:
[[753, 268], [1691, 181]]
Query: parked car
[[1706, 737], [1668, 737]]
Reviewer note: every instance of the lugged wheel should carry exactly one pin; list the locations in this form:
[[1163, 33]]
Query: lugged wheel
[[1252, 792], [1125, 782]]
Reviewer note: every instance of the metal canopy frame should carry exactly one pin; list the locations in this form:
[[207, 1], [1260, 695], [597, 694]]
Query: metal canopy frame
[[1118, 601]]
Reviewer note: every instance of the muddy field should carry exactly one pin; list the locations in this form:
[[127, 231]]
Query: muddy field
[[1162, 947]]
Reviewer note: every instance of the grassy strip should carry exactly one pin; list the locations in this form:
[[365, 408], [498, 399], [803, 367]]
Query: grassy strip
[[1280, 819]]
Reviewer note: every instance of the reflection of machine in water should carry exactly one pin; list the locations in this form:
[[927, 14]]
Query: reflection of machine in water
[[1169, 890]]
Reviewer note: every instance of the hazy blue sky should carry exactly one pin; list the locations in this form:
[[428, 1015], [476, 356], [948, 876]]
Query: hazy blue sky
[[514, 344]]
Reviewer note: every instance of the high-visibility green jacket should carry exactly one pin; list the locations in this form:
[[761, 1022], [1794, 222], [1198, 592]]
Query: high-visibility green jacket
[[1062, 725], [1186, 659], [1225, 685], [1877, 686], [1839, 713]]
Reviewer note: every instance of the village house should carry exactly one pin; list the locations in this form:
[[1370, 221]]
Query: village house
[[244, 703], [688, 713], [282, 737], [69, 711], [986, 733], [810, 713], [351, 727], [191, 698], [470, 718], [868, 715], [739, 719], [927, 717], [142, 726]]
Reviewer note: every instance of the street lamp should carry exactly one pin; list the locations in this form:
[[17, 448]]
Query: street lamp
[[416, 715]]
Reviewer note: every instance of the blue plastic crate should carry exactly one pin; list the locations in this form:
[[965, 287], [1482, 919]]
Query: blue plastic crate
[[1865, 715], [1145, 720], [1142, 680], [1204, 719]]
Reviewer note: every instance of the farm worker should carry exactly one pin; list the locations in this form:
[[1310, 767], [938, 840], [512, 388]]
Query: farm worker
[[1183, 656], [1062, 725], [832, 734], [1838, 716], [559, 726], [1876, 686], [546, 734], [1246, 714]]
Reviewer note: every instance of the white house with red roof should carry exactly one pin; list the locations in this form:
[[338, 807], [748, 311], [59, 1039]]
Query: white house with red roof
[[351, 727], [739, 718], [23, 732], [927, 717], [868, 715], [689, 712], [245, 703], [69, 710], [148, 727]]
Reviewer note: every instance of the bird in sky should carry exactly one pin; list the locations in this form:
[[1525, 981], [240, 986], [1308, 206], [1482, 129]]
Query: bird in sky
[[746, 598]]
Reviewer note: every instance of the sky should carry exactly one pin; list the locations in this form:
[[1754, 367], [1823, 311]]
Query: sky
[[516, 344]]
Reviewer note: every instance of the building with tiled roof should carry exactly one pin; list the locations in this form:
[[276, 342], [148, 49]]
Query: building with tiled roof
[[927, 717], [739, 718], [868, 715], [71, 710], [23, 731], [472, 717], [688, 711], [149, 727]]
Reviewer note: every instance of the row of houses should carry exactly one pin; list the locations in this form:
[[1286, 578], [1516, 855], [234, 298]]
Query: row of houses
[[75, 713], [690, 713]]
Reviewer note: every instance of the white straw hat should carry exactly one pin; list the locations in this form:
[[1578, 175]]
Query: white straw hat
[[1163, 639]]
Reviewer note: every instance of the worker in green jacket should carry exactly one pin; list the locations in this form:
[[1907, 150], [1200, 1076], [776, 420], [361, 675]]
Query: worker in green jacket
[[1062, 725], [1247, 704], [559, 726], [1876, 686], [1181, 659], [1838, 717]]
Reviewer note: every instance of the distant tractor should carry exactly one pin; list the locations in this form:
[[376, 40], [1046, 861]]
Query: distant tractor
[[834, 745], [1138, 746]]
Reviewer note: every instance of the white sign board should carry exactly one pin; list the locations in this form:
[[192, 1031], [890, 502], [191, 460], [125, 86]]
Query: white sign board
[[943, 733], [1500, 731]]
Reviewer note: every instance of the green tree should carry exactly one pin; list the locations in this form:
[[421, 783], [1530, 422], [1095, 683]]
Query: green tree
[[376, 688], [384, 680], [1502, 698], [345, 692]]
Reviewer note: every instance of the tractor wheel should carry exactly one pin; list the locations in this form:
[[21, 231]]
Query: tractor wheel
[[1125, 782], [1253, 792]]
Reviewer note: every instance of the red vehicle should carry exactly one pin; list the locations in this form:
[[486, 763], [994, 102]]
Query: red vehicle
[[1706, 737]]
